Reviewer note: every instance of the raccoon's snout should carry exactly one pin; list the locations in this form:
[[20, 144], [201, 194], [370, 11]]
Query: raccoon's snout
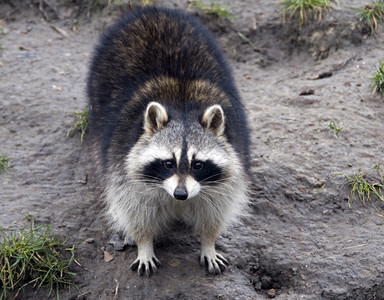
[[181, 193], [181, 188]]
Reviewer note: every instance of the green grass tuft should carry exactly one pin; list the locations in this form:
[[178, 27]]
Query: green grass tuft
[[299, 9], [81, 122], [243, 37], [365, 189], [34, 258], [4, 163], [335, 128], [371, 14], [213, 9], [377, 79]]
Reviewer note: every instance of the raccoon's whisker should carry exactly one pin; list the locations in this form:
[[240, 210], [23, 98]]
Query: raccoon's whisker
[[151, 182], [221, 189], [222, 183], [213, 175], [153, 177], [223, 179], [145, 181], [223, 194], [210, 200], [149, 178]]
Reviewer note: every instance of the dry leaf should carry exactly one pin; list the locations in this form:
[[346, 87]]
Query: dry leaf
[[107, 256], [173, 262]]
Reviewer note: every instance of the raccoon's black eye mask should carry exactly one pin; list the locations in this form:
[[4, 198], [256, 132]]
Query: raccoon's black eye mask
[[204, 172], [160, 169], [170, 164]]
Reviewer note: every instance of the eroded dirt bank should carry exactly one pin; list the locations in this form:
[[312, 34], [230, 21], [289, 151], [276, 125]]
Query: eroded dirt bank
[[302, 239]]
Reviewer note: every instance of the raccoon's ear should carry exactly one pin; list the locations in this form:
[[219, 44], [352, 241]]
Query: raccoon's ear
[[155, 117], [213, 119]]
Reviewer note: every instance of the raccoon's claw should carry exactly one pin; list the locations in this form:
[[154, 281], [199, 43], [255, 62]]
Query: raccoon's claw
[[145, 265], [216, 263]]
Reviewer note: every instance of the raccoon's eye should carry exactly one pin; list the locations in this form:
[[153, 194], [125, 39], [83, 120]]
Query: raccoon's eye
[[197, 165], [168, 164]]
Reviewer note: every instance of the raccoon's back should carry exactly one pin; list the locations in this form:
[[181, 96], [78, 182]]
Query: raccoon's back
[[156, 45], [149, 43]]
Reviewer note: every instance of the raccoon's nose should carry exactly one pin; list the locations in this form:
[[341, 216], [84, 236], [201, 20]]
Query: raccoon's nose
[[180, 193]]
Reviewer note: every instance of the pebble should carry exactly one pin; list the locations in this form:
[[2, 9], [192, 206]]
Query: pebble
[[116, 242], [272, 293], [90, 240]]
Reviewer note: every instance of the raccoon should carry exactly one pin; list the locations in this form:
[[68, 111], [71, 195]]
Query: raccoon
[[170, 132]]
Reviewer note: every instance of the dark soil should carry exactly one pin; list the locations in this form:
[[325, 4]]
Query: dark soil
[[301, 240]]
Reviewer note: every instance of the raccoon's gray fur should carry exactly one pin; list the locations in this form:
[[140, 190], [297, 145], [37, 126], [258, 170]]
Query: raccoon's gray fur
[[170, 130]]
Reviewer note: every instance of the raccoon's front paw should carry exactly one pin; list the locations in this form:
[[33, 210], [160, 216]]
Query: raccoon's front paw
[[214, 261], [147, 265]]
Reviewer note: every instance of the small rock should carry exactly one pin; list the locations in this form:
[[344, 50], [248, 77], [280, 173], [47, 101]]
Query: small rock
[[84, 179], [272, 293], [90, 240], [57, 88], [116, 242]]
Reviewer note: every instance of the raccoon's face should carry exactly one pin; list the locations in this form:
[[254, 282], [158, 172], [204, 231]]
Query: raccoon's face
[[182, 157]]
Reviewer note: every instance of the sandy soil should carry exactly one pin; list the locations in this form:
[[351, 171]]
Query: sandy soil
[[301, 241]]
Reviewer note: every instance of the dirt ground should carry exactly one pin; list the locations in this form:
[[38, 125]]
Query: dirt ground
[[301, 240]]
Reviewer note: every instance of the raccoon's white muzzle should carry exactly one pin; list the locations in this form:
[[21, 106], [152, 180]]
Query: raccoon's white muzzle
[[181, 189]]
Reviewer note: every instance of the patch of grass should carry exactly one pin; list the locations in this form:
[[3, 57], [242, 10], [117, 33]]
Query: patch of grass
[[300, 9], [81, 122], [213, 9], [377, 79], [371, 14], [4, 163], [365, 189], [243, 37], [335, 128], [146, 2], [34, 258]]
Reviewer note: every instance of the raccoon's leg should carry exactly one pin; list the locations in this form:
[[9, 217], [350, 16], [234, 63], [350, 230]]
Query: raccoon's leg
[[146, 261], [129, 241], [214, 261]]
